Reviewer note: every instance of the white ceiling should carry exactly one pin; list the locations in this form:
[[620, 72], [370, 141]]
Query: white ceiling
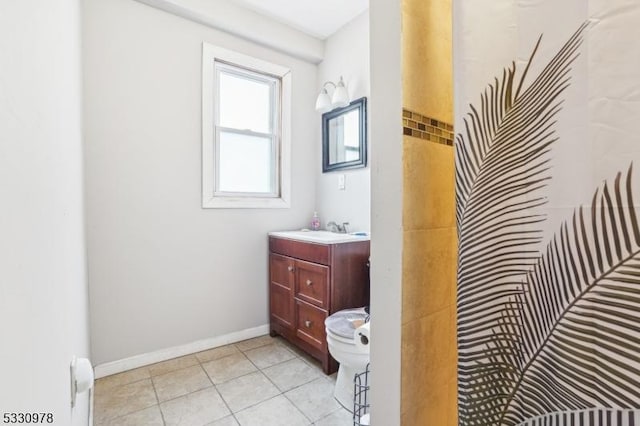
[[318, 18]]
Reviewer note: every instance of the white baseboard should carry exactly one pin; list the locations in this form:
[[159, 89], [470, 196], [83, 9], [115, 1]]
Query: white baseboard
[[114, 367]]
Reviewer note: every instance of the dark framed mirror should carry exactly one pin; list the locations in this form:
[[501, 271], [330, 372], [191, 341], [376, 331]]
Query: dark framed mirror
[[344, 137]]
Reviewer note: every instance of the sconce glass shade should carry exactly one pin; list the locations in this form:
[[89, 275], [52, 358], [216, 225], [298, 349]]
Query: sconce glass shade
[[340, 95], [323, 103]]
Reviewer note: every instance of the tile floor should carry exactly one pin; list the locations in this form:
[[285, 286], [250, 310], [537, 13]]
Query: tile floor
[[257, 382]]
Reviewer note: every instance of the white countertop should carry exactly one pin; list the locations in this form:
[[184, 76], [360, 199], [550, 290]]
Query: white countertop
[[321, 237]]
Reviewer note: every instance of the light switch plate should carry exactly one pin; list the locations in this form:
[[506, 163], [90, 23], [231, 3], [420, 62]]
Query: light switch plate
[[341, 182]]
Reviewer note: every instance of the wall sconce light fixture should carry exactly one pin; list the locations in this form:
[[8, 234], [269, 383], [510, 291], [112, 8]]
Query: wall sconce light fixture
[[340, 97]]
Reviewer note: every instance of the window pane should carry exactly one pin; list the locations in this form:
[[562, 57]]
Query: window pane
[[245, 104], [245, 163]]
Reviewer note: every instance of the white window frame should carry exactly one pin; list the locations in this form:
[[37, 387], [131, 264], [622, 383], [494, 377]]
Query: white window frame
[[211, 197]]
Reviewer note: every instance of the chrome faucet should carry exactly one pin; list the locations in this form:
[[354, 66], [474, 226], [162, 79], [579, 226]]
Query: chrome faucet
[[334, 227]]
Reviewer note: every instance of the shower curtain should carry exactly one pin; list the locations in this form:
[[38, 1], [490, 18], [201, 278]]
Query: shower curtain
[[547, 113]]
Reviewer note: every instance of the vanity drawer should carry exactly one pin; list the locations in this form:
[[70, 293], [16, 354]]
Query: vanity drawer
[[311, 252], [312, 283], [310, 324]]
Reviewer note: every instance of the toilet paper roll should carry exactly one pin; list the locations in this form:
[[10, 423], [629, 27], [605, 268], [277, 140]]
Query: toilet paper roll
[[83, 375], [362, 337], [364, 420]]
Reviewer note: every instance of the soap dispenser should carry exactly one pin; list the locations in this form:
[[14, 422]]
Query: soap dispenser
[[315, 222]]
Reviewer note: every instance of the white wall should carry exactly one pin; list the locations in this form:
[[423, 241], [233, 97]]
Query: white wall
[[43, 294], [346, 54], [246, 24], [386, 211], [163, 272]]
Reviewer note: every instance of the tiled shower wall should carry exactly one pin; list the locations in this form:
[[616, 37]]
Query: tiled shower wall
[[428, 285], [423, 127], [429, 354]]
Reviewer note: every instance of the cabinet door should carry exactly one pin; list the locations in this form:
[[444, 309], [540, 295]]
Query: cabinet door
[[312, 283], [281, 276]]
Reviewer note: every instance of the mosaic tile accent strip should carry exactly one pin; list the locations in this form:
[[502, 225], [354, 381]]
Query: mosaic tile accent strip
[[423, 127]]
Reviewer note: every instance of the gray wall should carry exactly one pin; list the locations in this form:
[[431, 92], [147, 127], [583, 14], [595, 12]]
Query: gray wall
[[346, 53], [164, 272], [43, 291]]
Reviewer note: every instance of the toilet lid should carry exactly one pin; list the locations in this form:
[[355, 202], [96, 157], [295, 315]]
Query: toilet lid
[[341, 323]]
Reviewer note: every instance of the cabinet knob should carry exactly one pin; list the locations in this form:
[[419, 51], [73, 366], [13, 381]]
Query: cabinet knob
[[309, 282], [307, 324], [290, 268]]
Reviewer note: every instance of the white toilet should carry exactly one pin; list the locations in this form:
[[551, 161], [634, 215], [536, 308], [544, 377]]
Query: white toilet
[[353, 360]]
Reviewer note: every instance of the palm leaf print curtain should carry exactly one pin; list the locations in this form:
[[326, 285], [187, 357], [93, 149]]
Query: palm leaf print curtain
[[548, 323]]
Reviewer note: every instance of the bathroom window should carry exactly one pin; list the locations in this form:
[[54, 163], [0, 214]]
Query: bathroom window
[[246, 122]]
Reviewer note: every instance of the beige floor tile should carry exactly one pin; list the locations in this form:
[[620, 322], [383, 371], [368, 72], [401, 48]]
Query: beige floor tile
[[172, 365], [290, 374], [247, 390], [315, 399], [227, 421], [269, 355], [217, 353], [125, 399], [180, 382], [340, 417], [109, 382], [293, 348], [256, 342], [227, 368], [148, 417], [315, 363], [278, 411], [195, 409]]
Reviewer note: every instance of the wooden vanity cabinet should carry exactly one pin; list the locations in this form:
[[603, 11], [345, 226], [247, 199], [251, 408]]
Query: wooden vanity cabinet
[[310, 281]]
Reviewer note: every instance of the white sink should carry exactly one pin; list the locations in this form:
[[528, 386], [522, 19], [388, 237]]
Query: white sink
[[322, 237]]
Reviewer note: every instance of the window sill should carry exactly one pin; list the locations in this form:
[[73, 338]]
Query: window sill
[[245, 203]]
